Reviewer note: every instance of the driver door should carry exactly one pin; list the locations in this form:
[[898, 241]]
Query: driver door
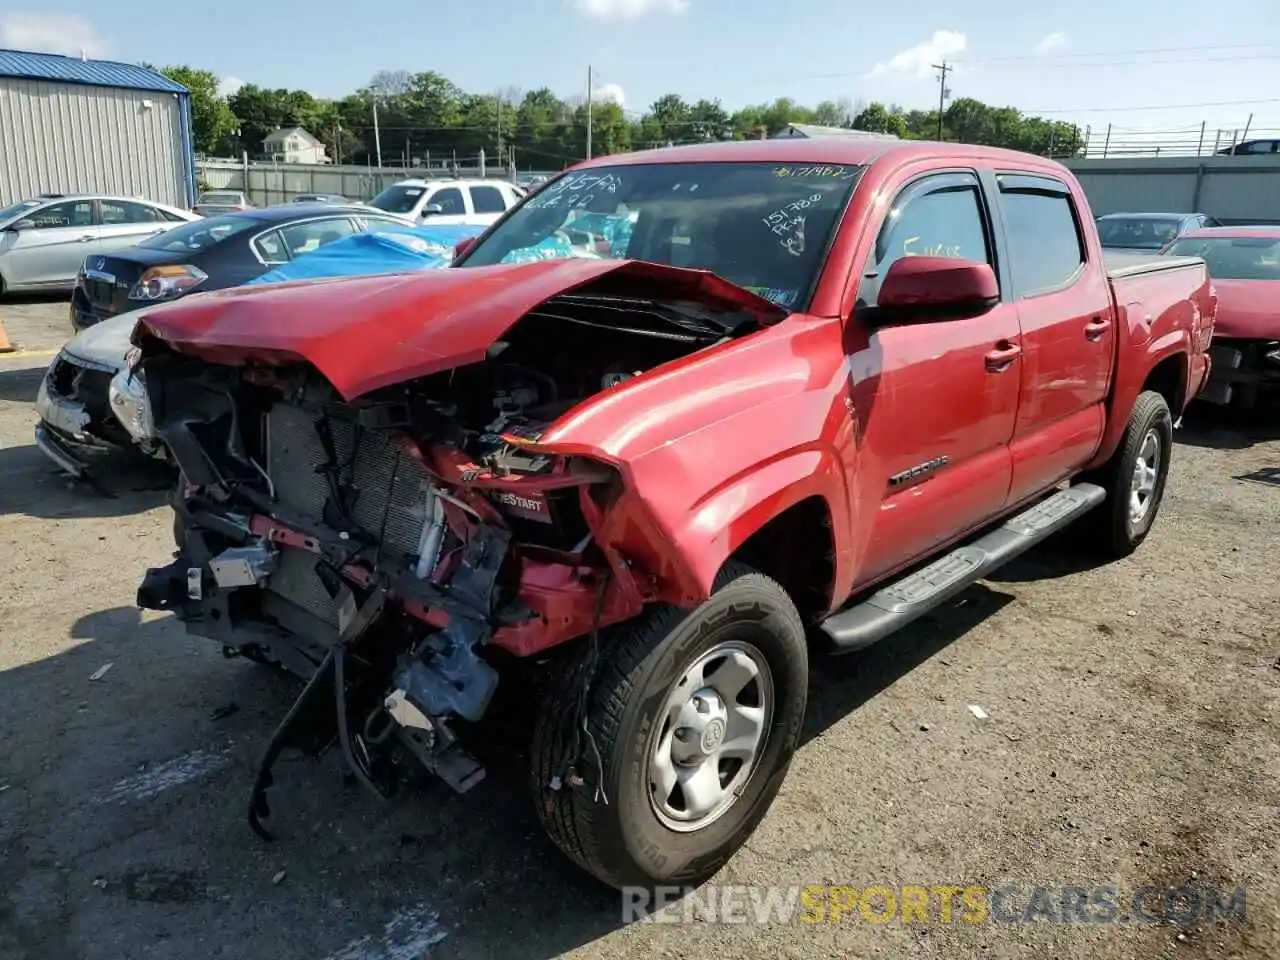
[[935, 400]]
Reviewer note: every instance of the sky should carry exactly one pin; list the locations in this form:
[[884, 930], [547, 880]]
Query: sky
[[1137, 67]]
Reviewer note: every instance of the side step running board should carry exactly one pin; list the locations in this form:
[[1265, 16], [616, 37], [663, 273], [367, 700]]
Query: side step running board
[[896, 605]]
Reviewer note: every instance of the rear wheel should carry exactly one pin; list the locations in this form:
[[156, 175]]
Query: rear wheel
[[1134, 479], [691, 721]]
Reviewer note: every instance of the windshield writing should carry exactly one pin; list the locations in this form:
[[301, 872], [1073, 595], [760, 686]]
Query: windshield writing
[[763, 226]]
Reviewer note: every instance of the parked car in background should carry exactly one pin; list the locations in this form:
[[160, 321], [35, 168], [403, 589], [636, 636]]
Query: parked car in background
[[1244, 263], [320, 198], [1147, 232], [210, 254], [632, 484], [213, 202], [1253, 148], [44, 240], [87, 402], [450, 202]]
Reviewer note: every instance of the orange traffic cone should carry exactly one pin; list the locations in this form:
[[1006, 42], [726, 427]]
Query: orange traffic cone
[[5, 345]]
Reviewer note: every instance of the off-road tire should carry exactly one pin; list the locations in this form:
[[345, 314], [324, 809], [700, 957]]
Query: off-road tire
[[614, 833], [1108, 531]]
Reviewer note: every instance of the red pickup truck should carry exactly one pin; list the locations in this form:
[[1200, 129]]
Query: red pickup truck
[[670, 422]]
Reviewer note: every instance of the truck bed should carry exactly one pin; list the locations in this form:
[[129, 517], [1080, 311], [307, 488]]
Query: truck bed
[[1128, 264]]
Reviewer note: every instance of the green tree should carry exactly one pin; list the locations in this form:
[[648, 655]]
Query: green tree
[[877, 118], [212, 120]]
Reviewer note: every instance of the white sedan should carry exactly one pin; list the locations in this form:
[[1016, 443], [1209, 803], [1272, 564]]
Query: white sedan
[[43, 241]]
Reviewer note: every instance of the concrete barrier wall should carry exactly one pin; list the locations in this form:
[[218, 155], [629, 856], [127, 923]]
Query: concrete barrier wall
[[1232, 189]]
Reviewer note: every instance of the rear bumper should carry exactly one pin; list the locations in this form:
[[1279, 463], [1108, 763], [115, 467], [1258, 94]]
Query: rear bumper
[[1240, 369], [85, 314]]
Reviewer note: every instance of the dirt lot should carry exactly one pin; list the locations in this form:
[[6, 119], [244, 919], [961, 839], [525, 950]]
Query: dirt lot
[[1131, 739]]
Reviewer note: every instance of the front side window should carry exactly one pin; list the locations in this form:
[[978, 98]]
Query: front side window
[[450, 202], [764, 226], [939, 216], [75, 213]]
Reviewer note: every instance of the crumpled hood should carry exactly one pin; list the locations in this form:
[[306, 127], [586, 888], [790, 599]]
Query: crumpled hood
[[1248, 309], [369, 332], [105, 343]]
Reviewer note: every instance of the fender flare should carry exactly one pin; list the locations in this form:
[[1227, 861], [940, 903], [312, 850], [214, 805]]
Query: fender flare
[[1176, 343], [719, 523]]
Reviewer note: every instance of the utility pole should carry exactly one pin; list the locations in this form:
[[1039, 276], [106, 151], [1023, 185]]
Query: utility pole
[[588, 112], [377, 139], [943, 92], [501, 153]]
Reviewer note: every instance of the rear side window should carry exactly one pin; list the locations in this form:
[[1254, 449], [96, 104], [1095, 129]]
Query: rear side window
[[487, 200], [1045, 248]]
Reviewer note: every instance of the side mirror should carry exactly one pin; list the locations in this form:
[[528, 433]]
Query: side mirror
[[20, 225], [462, 246], [920, 289], [432, 210]]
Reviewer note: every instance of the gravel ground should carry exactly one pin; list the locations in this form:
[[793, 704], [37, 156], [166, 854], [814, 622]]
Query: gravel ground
[[1133, 713]]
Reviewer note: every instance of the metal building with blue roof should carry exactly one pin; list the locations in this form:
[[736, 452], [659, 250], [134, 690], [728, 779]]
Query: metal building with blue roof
[[74, 125]]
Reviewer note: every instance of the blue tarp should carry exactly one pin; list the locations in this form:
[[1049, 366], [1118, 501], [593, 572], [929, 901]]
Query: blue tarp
[[388, 249]]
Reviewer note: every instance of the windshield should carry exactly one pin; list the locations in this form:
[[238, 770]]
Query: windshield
[[1233, 258], [1137, 233], [763, 226], [398, 199], [199, 234], [219, 198], [11, 211]]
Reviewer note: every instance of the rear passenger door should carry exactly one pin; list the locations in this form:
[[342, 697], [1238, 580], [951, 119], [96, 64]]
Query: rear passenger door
[[935, 400], [1068, 329]]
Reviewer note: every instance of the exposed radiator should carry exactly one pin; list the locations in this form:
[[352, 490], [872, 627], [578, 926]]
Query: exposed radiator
[[392, 495]]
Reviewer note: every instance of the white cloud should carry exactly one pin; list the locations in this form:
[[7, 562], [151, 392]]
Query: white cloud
[[51, 32], [227, 86], [1052, 42], [629, 9], [609, 93], [918, 60]]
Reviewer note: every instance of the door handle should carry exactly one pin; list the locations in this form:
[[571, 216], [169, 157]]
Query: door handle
[[1095, 328], [1002, 357], [86, 238]]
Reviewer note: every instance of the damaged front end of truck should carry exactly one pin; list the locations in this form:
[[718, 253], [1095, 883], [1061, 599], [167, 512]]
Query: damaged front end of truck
[[371, 502]]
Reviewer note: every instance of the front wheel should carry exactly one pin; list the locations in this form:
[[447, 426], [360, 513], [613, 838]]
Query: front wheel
[[691, 721], [1134, 479]]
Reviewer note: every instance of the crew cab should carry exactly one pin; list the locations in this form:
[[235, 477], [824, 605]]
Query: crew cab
[[812, 391]]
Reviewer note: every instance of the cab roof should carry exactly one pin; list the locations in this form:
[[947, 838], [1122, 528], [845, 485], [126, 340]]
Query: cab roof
[[854, 151]]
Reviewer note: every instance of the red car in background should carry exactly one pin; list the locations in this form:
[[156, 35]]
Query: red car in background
[[1244, 263]]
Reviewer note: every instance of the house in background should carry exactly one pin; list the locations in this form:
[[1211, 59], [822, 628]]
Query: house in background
[[810, 131], [293, 145]]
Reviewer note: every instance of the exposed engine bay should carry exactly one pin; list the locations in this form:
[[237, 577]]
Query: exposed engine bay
[[392, 549]]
